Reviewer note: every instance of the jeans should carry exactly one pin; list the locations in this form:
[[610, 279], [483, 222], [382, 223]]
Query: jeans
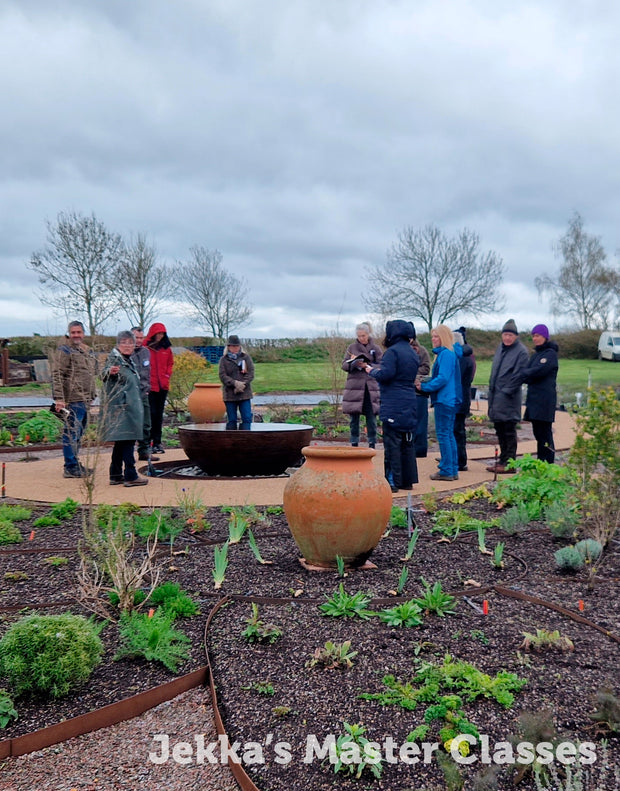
[[157, 402], [400, 466], [506, 431], [245, 413], [122, 455], [543, 432], [371, 422], [444, 428], [72, 434], [420, 439], [460, 435]]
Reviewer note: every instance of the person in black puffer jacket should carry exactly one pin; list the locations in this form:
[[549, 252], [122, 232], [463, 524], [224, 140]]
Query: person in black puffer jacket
[[396, 376], [540, 375]]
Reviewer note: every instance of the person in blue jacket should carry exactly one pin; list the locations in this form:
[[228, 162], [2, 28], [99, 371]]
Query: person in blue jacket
[[445, 389], [396, 376]]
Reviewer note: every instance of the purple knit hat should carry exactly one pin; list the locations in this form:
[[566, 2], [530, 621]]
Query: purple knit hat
[[541, 329]]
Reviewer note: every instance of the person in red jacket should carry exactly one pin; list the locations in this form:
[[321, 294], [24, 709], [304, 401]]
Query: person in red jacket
[[158, 343]]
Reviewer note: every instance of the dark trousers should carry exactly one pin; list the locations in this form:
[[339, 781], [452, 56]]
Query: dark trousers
[[506, 431], [543, 432], [371, 422], [157, 402], [460, 435], [401, 468], [122, 456], [420, 439], [144, 443]]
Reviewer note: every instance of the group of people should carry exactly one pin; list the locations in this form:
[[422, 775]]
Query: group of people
[[136, 381], [396, 382]]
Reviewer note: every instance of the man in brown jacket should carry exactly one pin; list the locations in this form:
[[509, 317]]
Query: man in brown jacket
[[73, 388]]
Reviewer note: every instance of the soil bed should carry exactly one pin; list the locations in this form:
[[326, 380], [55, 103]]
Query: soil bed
[[308, 701]]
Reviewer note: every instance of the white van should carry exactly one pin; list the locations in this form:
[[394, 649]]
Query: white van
[[609, 346]]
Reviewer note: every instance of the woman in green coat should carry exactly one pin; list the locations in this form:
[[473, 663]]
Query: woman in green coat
[[122, 411]]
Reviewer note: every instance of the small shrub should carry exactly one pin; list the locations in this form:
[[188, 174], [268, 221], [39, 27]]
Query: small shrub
[[153, 639], [49, 654], [607, 710], [589, 549], [14, 513], [158, 523], [515, 520], [16, 576], [46, 521], [189, 368], [56, 560], [66, 509], [9, 534], [561, 519], [568, 559], [398, 517], [174, 601]]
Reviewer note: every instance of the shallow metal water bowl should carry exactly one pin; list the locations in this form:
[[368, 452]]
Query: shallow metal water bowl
[[264, 449]]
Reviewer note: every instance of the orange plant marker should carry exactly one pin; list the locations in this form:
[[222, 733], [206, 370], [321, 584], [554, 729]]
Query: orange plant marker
[[580, 605], [31, 536], [485, 607]]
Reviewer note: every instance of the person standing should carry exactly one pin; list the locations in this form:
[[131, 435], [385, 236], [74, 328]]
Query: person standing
[[396, 376], [236, 373], [74, 366], [142, 361], [421, 401], [444, 387], [122, 410], [361, 392], [505, 394], [540, 374], [161, 363], [467, 367]]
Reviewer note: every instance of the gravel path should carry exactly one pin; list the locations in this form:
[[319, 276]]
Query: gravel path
[[117, 758]]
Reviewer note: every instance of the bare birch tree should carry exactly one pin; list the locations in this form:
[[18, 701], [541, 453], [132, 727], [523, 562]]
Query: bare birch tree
[[219, 301], [76, 266], [140, 282], [430, 276]]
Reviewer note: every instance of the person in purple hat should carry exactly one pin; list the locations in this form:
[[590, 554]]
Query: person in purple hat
[[540, 375]]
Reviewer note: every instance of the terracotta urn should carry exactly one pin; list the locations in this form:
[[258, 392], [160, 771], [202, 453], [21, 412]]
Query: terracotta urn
[[337, 503], [206, 404]]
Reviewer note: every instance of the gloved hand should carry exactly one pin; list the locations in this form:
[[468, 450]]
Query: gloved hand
[[239, 387]]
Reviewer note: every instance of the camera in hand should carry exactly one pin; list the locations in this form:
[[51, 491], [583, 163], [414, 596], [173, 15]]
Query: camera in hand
[[61, 414]]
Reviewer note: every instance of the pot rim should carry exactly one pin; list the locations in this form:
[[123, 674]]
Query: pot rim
[[335, 452]]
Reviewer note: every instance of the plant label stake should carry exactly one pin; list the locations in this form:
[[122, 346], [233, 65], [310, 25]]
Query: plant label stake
[[485, 607], [3, 479], [409, 517], [580, 605], [495, 463]]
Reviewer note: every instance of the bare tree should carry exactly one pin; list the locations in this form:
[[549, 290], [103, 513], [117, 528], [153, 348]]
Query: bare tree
[[140, 282], [585, 288], [218, 299], [432, 277], [75, 268]]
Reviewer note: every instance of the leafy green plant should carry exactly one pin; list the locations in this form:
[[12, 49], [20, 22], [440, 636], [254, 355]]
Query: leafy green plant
[[9, 534], [262, 687], [281, 711], [16, 576], [47, 521], [49, 654], [354, 753], [139, 596], [158, 523], [460, 498], [220, 564], [515, 520], [568, 559], [434, 600], [333, 655], [398, 517], [345, 605], [189, 502], [43, 427], [406, 614], [14, 513], [7, 709], [411, 545], [257, 631], [173, 600], [451, 523], [237, 525], [189, 368], [536, 484], [5, 436], [152, 638], [498, 555], [544, 640], [65, 510], [56, 560], [481, 540], [562, 519]]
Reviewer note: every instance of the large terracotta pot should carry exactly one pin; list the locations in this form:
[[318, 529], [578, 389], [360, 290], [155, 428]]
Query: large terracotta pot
[[206, 404], [337, 504]]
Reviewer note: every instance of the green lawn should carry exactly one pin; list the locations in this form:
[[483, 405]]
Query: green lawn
[[573, 375]]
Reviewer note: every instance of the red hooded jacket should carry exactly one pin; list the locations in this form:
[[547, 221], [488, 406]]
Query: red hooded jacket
[[161, 358]]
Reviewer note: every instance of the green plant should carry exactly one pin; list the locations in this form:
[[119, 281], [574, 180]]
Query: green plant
[[274, 510], [515, 519], [262, 687], [481, 540], [498, 555], [406, 614], [589, 549], [7, 709], [115, 600], [412, 544], [189, 368], [56, 560], [65, 510], [158, 523], [451, 523], [152, 638], [49, 654], [459, 498], [434, 600], [398, 516], [535, 727], [430, 501], [340, 566], [568, 559], [43, 427], [189, 502], [343, 604], [5, 436], [220, 564], [478, 634], [257, 631], [237, 525], [14, 513], [333, 655], [174, 601], [353, 753], [9, 534], [544, 640], [47, 521], [562, 519], [607, 711], [402, 580], [536, 484], [281, 711], [256, 550], [16, 576]]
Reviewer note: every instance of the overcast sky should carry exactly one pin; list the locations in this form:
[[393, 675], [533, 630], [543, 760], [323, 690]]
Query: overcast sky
[[299, 136]]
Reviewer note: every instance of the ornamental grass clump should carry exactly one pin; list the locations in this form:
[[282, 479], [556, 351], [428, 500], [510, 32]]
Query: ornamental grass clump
[[49, 655]]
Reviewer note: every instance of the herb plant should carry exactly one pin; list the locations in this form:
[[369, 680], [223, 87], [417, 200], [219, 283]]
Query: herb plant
[[343, 604], [354, 753], [333, 655], [434, 600], [536, 484], [406, 614], [174, 601], [257, 631], [545, 640], [14, 513], [7, 709], [9, 534], [153, 639]]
